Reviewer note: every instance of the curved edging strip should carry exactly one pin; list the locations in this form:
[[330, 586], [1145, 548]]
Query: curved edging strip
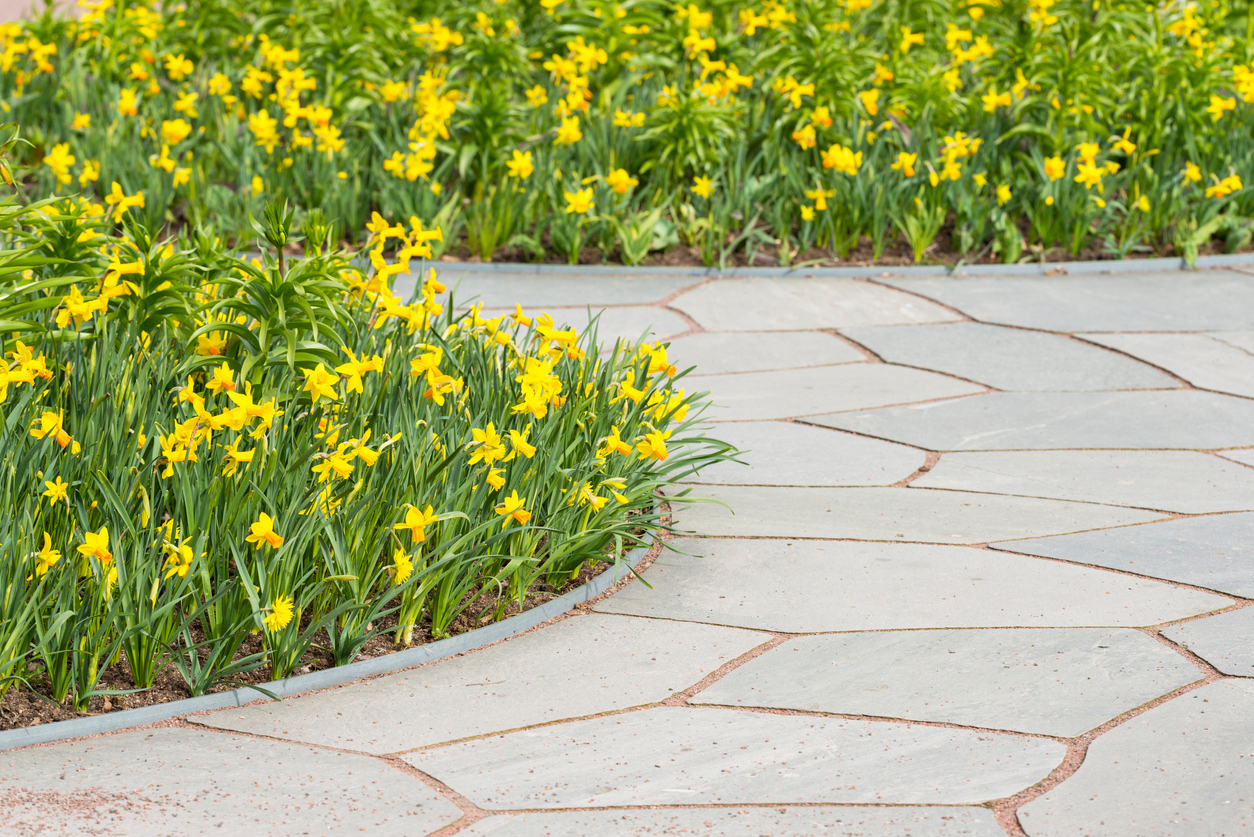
[[338, 676], [1033, 269]]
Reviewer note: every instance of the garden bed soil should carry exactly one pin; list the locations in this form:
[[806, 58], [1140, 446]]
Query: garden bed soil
[[22, 707], [897, 253]]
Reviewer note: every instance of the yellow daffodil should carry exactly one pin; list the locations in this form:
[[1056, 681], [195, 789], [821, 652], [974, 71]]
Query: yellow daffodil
[[261, 533], [96, 545], [57, 491], [512, 509], [281, 611], [417, 521], [47, 557]]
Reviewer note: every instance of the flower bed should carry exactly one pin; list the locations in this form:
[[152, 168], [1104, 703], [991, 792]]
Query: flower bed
[[213, 465], [723, 132]]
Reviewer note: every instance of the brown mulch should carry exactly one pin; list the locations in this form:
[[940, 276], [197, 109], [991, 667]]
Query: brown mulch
[[20, 707]]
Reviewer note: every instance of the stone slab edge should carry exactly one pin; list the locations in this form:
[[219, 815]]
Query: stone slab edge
[[1034, 269], [338, 676]]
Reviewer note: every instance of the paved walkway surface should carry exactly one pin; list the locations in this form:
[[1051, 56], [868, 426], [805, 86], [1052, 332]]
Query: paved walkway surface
[[989, 573]]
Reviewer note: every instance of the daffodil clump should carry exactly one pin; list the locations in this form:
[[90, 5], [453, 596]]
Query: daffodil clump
[[198, 447], [803, 130]]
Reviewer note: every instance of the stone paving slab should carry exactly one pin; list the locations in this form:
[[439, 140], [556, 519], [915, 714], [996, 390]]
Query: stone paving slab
[[630, 322], [502, 290], [1182, 769], [786, 453], [904, 514], [1183, 419], [843, 821], [1245, 455], [697, 756], [721, 353], [1051, 681], [809, 586], [1197, 358], [182, 781], [803, 304], [1240, 339], [1226, 640], [1216, 551], [1009, 358], [596, 664], [1166, 301], [758, 396], [1167, 480]]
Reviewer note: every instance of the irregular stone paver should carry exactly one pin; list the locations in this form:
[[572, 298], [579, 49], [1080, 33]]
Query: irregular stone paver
[[1198, 359], [596, 664], [1008, 358], [1185, 419], [505, 290], [1244, 456], [1226, 640], [1166, 301], [653, 644], [756, 396], [182, 781], [785, 453], [803, 304], [905, 514], [843, 821], [1215, 551], [679, 755], [718, 353], [1240, 339], [629, 322], [807, 586], [1052, 681], [1170, 480], [1182, 769]]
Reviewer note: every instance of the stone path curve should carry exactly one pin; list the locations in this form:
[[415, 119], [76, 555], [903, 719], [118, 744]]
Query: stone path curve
[[989, 573]]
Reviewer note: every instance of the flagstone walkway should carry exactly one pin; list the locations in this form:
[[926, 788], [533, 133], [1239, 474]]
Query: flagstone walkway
[[989, 572]]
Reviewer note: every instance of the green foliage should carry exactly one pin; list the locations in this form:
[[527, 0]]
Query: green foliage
[[419, 110]]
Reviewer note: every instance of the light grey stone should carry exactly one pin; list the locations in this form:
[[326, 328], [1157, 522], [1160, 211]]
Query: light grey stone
[[185, 782], [758, 396], [1244, 456], [1225, 640], [631, 323], [810, 586], [802, 304], [690, 756], [1185, 419], [785, 453], [1051, 681], [1182, 769], [1198, 359], [1166, 301], [905, 514], [497, 290], [1008, 358], [1169, 480], [579, 666], [719, 353], [1216, 551], [1240, 339], [843, 821]]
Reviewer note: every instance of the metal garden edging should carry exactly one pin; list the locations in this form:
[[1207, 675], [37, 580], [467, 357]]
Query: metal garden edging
[[337, 676]]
